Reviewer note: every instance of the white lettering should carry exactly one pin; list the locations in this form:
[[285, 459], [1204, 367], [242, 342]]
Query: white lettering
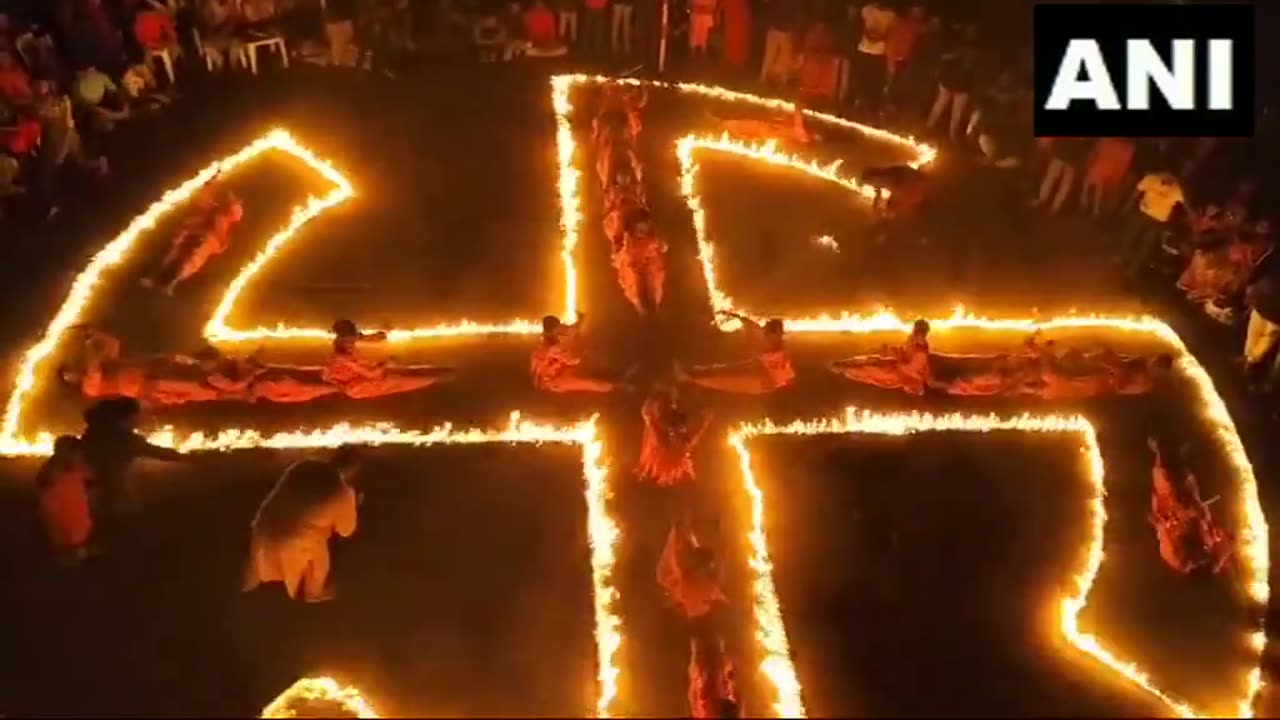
[[1086, 56], [1221, 75], [1147, 68]]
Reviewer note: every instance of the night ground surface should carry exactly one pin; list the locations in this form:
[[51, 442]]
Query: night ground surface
[[908, 570]]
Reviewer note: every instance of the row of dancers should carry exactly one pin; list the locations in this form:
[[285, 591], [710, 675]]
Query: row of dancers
[[638, 253], [101, 371], [1040, 368]]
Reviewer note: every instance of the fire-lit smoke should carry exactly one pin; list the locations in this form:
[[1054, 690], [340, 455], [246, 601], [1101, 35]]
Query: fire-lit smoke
[[771, 632]]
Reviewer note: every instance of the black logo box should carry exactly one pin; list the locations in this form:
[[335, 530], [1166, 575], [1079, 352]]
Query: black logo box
[[1111, 25]]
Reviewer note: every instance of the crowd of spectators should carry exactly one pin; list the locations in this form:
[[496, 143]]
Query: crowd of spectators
[[1189, 209]]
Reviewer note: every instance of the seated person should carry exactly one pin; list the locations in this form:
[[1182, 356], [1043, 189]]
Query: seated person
[[218, 22], [1219, 272], [666, 447], [690, 576], [15, 83], [713, 688], [540, 30], [905, 367], [155, 32], [557, 363], [768, 371], [640, 262], [141, 89], [98, 96], [359, 377]]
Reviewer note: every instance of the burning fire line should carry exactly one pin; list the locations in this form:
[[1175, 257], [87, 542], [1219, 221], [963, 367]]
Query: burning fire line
[[771, 632], [1254, 548], [322, 691], [602, 529]]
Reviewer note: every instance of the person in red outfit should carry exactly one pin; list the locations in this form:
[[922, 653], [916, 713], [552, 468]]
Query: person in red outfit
[[62, 484]]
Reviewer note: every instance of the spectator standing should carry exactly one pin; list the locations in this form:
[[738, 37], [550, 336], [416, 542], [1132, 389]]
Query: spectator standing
[[900, 42], [955, 81], [1159, 195], [782, 25], [869, 67], [622, 24], [567, 12], [59, 139], [594, 24], [702, 18], [1107, 167], [340, 29], [15, 84], [1065, 156], [737, 34]]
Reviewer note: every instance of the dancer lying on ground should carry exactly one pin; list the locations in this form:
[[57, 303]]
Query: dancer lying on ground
[[624, 206], [1187, 535], [670, 436], [907, 188], [251, 380], [164, 380], [618, 118], [198, 242], [768, 371], [557, 363], [289, 541], [792, 129], [62, 484], [615, 160], [905, 367], [690, 577], [361, 378], [713, 687], [640, 263]]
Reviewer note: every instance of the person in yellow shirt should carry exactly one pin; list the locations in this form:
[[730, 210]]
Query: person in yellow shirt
[[1159, 195]]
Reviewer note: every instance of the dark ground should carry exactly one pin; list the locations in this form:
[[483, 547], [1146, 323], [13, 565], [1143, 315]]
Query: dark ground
[[467, 588]]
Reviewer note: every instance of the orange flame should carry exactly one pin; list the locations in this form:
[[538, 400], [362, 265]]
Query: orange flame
[[771, 632], [323, 690]]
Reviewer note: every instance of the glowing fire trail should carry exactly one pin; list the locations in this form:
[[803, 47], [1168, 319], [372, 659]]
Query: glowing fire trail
[[318, 692], [772, 633], [602, 529]]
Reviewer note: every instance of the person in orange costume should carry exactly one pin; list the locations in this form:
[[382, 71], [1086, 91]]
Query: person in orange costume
[[62, 484], [250, 380], [900, 368], [361, 378], [289, 540], [1187, 536], [195, 245], [158, 381], [666, 447], [640, 262], [737, 34], [768, 371], [616, 160], [618, 119], [690, 577], [713, 688], [1135, 375], [624, 206], [556, 364]]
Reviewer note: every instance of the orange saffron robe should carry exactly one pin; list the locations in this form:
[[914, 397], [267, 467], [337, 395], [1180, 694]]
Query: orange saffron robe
[[64, 503]]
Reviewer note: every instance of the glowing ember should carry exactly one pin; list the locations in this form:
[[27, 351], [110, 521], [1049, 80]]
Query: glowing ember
[[319, 698], [826, 242], [771, 633]]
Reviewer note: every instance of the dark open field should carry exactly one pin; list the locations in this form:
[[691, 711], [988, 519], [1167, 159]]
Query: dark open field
[[467, 589]]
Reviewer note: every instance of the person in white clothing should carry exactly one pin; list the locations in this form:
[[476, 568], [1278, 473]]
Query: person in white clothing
[[870, 69]]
